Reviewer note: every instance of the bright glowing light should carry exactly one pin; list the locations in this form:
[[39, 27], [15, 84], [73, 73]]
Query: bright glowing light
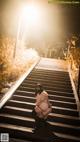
[[30, 14], [30, 53], [23, 55], [38, 23], [29, 20]]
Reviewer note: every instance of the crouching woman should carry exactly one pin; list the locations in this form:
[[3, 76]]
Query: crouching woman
[[42, 107]]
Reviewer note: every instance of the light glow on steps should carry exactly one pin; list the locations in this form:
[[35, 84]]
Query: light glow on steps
[[66, 136], [17, 117], [15, 127], [18, 108]]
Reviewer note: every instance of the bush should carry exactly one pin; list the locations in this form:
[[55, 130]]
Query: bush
[[12, 68]]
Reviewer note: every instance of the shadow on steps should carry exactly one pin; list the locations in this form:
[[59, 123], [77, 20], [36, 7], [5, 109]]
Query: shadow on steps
[[43, 133]]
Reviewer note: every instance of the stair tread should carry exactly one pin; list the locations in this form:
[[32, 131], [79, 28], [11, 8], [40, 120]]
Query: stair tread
[[51, 114], [51, 81], [25, 92], [32, 120], [27, 81], [29, 130], [16, 115], [52, 91], [30, 103], [59, 110], [55, 78], [18, 108], [48, 88], [26, 129], [33, 98], [54, 127], [64, 125], [67, 136], [45, 86]]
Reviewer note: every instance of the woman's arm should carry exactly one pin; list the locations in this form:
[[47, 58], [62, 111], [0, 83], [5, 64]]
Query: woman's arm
[[45, 113]]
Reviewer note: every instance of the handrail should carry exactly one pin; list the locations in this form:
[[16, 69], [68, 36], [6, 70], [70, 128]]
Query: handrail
[[16, 85], [77, 84]]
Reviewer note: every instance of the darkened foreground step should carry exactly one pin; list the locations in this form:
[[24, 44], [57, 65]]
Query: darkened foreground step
[[63, 123]]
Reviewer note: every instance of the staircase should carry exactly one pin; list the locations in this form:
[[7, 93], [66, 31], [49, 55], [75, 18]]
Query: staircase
[[16, 116]]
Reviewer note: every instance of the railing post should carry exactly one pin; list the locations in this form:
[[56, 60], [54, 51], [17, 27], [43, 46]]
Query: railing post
[[78, 87]]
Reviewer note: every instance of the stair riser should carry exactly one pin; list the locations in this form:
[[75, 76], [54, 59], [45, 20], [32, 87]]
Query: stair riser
[[64, 120], [18, 122], [18, 134], [49, 72], [50, 91], [47, 87], [17, 112], [55, 98], [50, 118], [55, 128], [54, 110], [32, 94], [65, 130], [49, 77], [53, 73], [47, 83], [60, 104]]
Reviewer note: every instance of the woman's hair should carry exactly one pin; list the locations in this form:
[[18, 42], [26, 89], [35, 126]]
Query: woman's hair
[[38, 89]]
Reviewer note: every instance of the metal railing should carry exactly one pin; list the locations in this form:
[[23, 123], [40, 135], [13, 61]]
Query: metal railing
[[77, 76]]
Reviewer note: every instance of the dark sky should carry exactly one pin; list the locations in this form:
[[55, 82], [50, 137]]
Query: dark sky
[[70, 17]]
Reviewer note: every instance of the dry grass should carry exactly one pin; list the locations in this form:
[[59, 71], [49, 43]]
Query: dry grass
[[12, 68], [74, 58], [76, 55]]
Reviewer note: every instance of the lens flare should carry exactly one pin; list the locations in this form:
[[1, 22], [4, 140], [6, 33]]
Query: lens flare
[[30, 14]]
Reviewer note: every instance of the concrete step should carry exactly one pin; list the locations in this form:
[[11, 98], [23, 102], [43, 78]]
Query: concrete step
[[49, 91], [55, 109], [29, 122], [62, 123], [46, 87], [53, 102]]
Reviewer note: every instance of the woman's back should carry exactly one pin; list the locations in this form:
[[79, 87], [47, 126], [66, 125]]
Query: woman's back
[[42, 100], [43, 107]]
